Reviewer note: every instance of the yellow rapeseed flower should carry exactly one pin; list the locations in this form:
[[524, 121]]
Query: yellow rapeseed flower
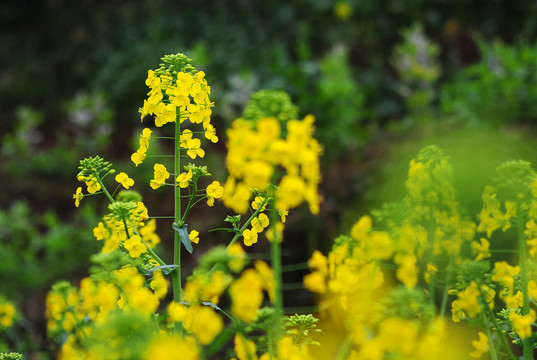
[[124, 179], [78, 196]]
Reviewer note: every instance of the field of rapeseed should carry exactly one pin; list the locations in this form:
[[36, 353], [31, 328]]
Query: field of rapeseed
[[300, 198]]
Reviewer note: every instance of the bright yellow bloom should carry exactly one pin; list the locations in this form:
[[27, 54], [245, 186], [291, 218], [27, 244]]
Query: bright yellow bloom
[[206, 324], [134, 246], [257, 202], [504, 273], [290, 193], [239, 257], [361, 228], [194, 236], [522, 323], [467, 303], [78, 196], [160, 176], [124, 179], [191, 144], [159, 284], [246, 295], [184, 179], [144, 139], [245, 349], [210, 133], [250, 237], [92, 184], [214, 191], [315, 282], [283, 214], [481, 345], [260, 222], [138, 157], [100, 231], [173, 348], [481, 249]]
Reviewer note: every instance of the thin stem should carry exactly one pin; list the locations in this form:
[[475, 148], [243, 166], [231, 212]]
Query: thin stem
[[446, 287], [191, 201], [294, 267], [176, 275], [501, 334], [149, 250], [492, 348], [345, 348], [276, 263], [247, 223], [527, 347], [105, 191]]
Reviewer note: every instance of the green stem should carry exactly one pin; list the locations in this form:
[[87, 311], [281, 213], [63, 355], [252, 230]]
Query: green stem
[[345, 348], [294, 267], [430, 255], [492, 348], [501, 334], [149, 250], [527, 347], [247, 223], [106, 191], [446, 287], [176, 275], [190, 201], [276, 263]]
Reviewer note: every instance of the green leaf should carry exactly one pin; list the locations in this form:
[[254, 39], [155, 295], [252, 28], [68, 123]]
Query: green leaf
[[223, 229], [166, 269], [183, 235]]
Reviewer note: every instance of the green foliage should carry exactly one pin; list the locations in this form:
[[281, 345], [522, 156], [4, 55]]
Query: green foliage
[[10, 356], [338, 103], [500, 88], [418, 67], [270, 103], [33, 242], [513, 180]]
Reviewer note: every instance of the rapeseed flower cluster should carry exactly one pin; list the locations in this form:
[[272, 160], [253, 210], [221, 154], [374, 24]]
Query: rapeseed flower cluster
[[8, 314], [121, 311], [425, 244], [83, 315], [258, 153]]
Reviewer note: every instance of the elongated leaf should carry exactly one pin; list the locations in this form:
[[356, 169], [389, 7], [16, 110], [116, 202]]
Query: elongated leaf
[[224, 229], [183, 235], [208, 303], [166, 269]]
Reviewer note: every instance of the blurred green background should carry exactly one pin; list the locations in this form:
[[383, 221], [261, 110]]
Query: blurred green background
[[383, 79]]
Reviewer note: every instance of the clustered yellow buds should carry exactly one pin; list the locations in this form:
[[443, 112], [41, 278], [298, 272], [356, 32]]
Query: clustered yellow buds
[[257, 151]]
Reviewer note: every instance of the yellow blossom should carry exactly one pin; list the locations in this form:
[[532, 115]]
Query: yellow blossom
[[78, 196], [184, 179], [214, 191], [173, 348], [250, 237], [522, 323], [134, 246], [206, 324], [481, 346], [260, 222], [159, 284], [138, 157], [124, 180], [245, 349], [194, 236]]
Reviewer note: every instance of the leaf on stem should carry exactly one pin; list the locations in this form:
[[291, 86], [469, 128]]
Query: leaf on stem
[[183, 235]]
